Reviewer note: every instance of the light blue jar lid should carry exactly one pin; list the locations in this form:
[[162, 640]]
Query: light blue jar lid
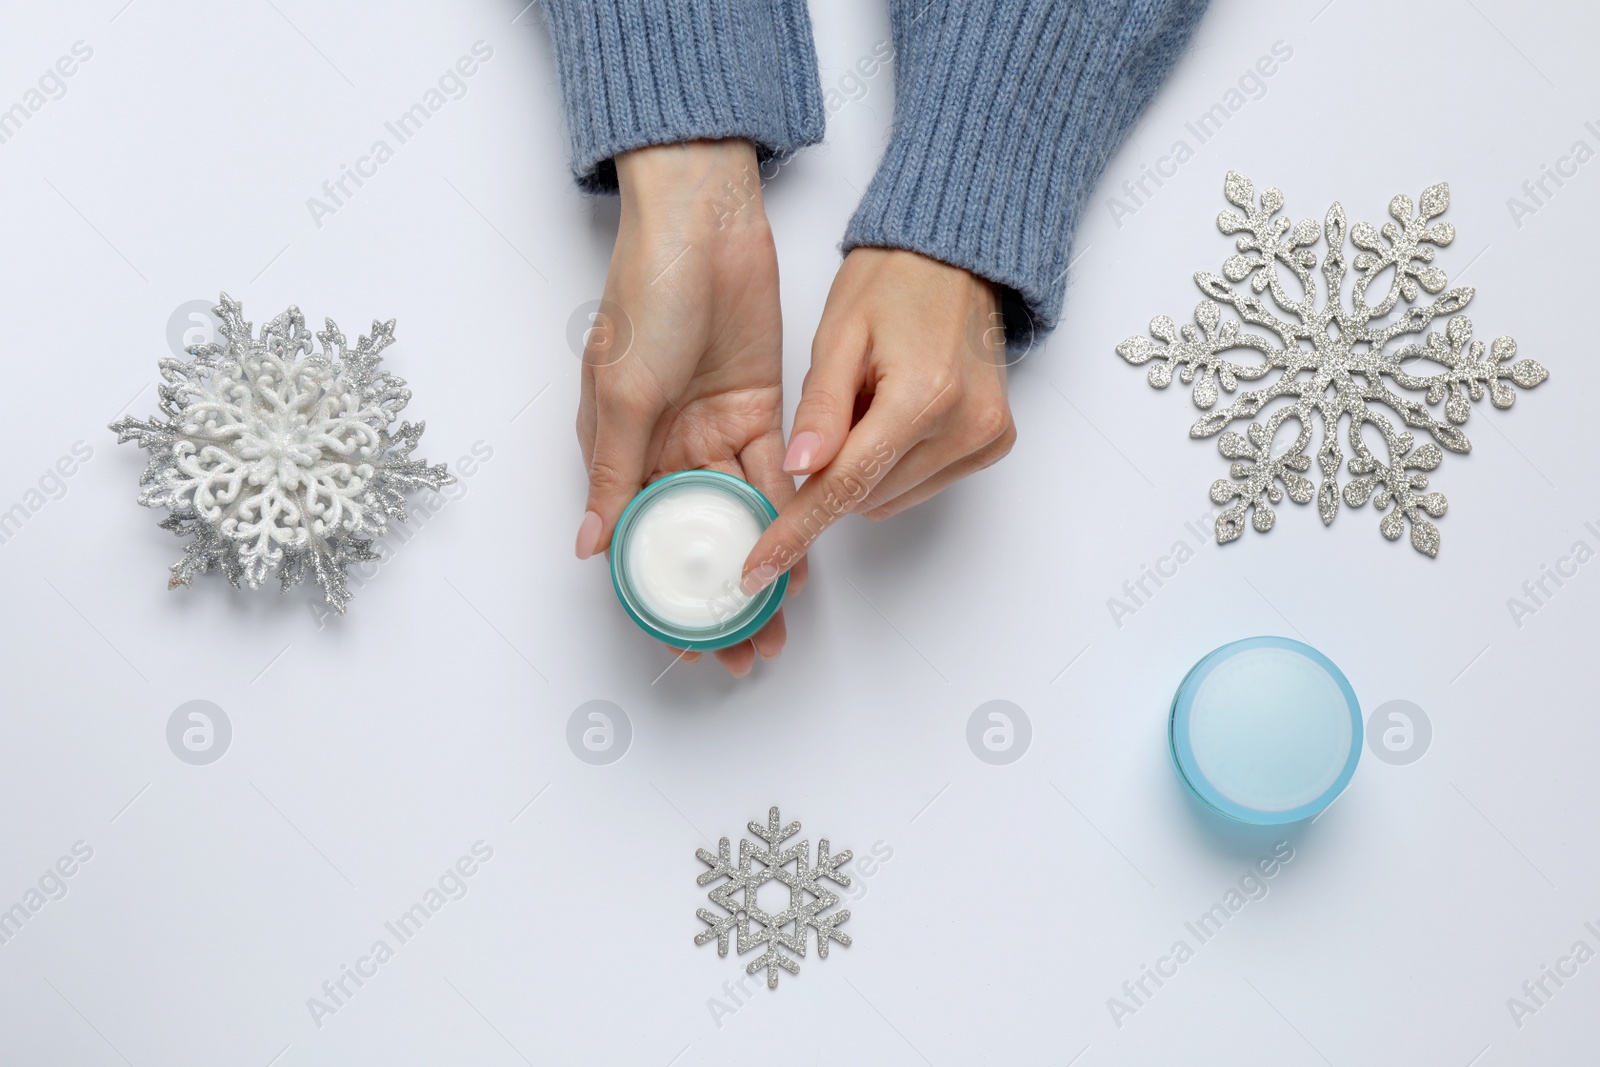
[[1266, 730]]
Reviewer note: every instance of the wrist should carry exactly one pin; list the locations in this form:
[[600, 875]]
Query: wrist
[[692, 184], [921, 272]]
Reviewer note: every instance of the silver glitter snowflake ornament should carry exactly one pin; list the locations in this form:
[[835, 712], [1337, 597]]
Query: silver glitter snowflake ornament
[[1333, 361], [273, 456], [809, 900]]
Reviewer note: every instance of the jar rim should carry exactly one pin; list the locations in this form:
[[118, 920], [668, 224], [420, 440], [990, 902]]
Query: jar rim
[[738, 627]]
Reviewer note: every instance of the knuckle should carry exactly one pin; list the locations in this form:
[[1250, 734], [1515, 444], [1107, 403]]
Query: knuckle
[[940, 388], [788, 537], [936, 395], [787, 547], [626, 406], [823, 406], [607, 477], [991, 420], [844, 491], [619, 397], [1007, 439], [999, 448], [788, 541]]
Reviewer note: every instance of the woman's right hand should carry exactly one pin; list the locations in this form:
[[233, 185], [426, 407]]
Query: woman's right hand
[[906, 396]]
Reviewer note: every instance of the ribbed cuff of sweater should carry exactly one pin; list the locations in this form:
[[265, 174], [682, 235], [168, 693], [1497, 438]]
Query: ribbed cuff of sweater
[[1005, 117], [644, 72]]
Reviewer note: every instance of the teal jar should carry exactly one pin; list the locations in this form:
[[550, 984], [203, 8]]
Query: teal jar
[[677, 554], [1266, 731]]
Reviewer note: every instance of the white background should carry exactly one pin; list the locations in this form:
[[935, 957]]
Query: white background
[[370, 752]]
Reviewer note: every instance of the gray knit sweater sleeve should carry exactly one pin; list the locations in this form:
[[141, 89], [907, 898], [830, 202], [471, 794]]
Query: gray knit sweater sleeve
[[1006, 113], [643, 72]]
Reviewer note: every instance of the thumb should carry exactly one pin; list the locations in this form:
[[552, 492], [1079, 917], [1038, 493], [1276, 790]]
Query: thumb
[[616, 473], [827, 400]]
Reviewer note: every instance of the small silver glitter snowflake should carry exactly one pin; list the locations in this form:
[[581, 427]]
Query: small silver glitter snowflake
[[809, 900], [274, 461], [1333, 361]]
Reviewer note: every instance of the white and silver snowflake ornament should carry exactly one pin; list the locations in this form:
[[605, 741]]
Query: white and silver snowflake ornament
[[274, 456], [808, 906], [1333, 361]]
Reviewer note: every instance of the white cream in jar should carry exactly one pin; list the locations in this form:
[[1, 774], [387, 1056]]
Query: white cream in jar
[[686, 553], [678, 555]]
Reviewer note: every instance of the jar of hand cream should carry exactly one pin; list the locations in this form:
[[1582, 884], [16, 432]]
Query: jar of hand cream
[[677, 557], [1266, 731]]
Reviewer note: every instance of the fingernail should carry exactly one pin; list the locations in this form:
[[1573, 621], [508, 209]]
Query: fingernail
[[588, 534], [802, 450], [744, 673]]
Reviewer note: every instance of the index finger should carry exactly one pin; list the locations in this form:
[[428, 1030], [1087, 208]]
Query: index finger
[[876, 443]]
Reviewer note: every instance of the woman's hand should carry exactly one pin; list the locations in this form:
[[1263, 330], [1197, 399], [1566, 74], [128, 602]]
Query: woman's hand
[[906, 394], [682, 369]]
